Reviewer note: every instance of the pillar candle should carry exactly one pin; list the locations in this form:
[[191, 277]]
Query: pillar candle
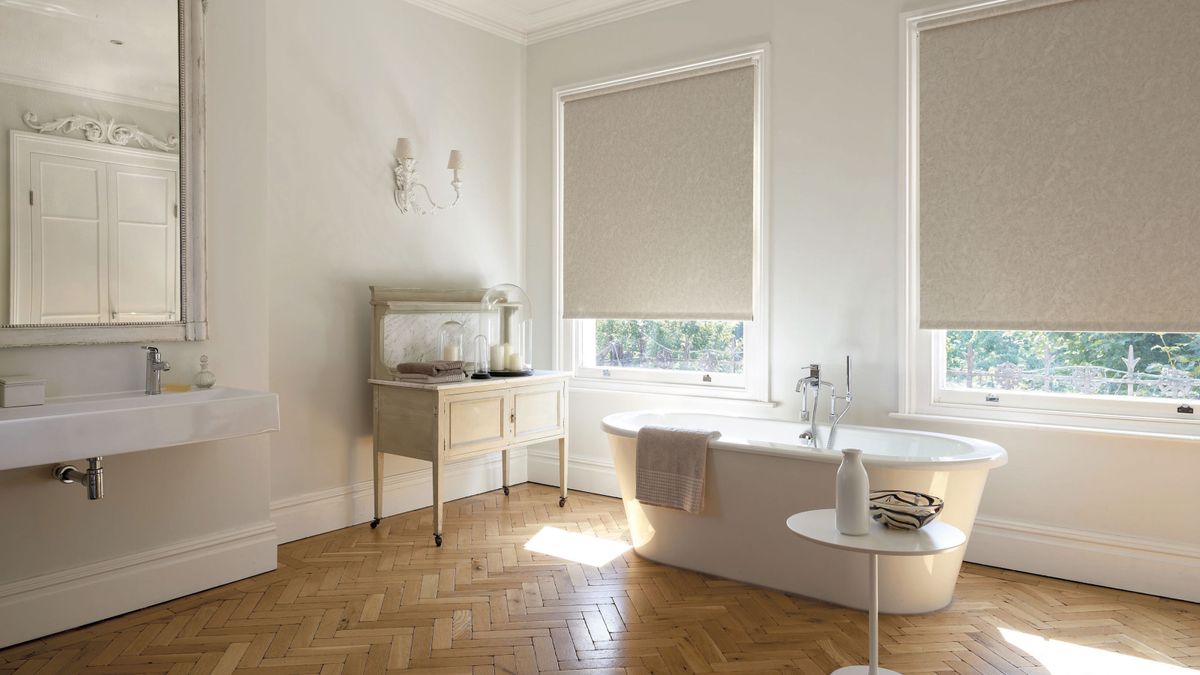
[[498, 356], [451, 352], [515, 362]]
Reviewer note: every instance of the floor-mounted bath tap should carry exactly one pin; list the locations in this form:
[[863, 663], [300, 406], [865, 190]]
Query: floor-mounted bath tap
[[812, 385], [92, 479], [154, 370]]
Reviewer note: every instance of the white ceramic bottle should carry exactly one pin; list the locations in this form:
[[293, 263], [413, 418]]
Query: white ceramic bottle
[[852, 489]]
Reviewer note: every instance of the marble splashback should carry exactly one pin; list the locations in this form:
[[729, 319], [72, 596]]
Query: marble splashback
[[414, 336]]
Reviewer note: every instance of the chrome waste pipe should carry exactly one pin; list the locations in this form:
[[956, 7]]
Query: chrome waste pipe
[[92, 480]]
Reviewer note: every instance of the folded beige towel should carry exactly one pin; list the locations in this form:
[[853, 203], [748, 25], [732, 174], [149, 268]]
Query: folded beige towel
[[671, 465], [431, 368], [429, 379]]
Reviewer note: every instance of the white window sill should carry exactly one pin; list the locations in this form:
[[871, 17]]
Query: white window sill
[[1127, 427], [738, 397]]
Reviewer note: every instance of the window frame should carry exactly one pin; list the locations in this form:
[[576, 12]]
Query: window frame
[[749, 384], [569, 334], [922, 351]]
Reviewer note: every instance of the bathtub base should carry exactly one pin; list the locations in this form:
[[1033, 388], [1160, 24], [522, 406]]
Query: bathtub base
[[741, 534]]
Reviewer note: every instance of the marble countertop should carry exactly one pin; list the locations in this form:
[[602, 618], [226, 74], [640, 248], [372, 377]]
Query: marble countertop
[[537, 376]]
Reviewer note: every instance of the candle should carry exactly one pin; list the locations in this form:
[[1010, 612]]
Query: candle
[[515, 362], [498, 355], [456, 160], [451, 352], [404, 149]]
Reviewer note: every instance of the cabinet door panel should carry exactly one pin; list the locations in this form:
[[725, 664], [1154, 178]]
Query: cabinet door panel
[[537, 412], [69, 242], [145, 246], [476, 422]]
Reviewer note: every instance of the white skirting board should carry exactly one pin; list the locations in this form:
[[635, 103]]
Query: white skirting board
[[49, 603], [315, 513], [584, 474], [1145, 566]]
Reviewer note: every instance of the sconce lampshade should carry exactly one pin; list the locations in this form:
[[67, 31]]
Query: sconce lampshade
[[404, 148], [456, 160]]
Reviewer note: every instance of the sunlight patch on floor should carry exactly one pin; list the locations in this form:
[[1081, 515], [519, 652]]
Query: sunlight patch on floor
[[580, 548], [1065, 658]]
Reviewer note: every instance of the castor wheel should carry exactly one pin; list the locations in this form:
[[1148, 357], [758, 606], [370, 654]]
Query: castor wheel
[[505, 490], [437, 539], [374, 523], [562, 501]]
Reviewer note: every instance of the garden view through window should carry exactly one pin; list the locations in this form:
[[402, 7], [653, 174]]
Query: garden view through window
[[703, 346], [1148, 365]]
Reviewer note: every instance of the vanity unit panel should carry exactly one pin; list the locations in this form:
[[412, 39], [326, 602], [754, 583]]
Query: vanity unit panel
[[476, 422], [406, 422], [538, 412]]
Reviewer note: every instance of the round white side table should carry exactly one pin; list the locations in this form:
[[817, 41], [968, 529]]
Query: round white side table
[[820, 527]]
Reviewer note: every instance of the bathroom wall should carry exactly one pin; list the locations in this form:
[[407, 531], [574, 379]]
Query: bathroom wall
[[1061, 507], [184, 518], [342, 86]]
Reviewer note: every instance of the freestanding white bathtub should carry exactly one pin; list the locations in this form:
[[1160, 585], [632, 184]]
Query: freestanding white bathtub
[[758, 474]]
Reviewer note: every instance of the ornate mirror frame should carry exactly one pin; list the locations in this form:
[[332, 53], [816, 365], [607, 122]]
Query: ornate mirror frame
[[193, 323]]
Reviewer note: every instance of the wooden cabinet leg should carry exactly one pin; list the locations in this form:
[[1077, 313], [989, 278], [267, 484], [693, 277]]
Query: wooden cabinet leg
[[504, 470], [437, 501], [377, 476], [562, 471]]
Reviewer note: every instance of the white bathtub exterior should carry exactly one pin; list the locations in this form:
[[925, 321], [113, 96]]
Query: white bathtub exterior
[[758, 475]]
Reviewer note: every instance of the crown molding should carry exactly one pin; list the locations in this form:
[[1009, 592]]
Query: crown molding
[[94, 94], [472, 19], [527, 28], [550, 30]]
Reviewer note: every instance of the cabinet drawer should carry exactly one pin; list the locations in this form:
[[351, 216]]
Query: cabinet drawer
[[538, 412], [475, 422]]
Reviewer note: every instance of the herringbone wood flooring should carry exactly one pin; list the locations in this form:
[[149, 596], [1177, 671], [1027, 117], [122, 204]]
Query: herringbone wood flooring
[[361, 600]]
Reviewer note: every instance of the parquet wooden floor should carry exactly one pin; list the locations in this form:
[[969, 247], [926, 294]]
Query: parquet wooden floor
[[360, 600]]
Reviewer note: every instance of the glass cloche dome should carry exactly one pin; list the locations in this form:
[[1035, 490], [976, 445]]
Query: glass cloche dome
[[507, 314], [450, 341]]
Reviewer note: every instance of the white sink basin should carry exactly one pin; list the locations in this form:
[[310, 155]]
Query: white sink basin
[[112, 424]]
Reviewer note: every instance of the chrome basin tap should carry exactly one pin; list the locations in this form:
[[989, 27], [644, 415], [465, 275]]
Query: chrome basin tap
[[154, 370], [812, 384]]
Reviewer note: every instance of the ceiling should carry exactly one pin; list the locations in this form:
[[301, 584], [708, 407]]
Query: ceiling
[[67, 45], [527, 21]]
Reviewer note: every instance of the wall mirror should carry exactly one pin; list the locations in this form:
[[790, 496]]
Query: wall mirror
[[101, 178]]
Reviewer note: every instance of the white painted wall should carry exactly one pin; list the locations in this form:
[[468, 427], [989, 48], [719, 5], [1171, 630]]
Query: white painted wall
[[176, 496], [342, 86], [833, 141]]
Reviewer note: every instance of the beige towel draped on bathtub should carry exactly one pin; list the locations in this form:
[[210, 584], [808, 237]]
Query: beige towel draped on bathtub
[[670, 467]]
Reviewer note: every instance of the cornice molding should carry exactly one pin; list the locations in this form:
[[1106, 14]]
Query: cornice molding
[[551, 30], [532, 27], [84, 92]]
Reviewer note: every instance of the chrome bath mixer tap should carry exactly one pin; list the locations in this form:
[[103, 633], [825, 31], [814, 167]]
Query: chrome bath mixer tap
[[811, 385]]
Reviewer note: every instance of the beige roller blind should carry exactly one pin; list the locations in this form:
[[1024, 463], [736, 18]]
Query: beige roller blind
[[658, 209], [1060, 168]]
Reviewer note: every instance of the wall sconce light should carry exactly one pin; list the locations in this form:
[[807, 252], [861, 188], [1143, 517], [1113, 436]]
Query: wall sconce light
[[407, 182]]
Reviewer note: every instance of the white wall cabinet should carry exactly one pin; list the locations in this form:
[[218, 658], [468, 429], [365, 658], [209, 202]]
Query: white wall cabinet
[[96, 240]]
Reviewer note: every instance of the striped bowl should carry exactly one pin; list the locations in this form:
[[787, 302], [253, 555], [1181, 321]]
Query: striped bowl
[[904, 509]]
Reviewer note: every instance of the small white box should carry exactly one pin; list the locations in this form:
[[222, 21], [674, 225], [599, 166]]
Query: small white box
[[21, 390]]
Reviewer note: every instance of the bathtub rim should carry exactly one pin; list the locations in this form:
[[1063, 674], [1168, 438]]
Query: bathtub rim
[[985, 454]]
